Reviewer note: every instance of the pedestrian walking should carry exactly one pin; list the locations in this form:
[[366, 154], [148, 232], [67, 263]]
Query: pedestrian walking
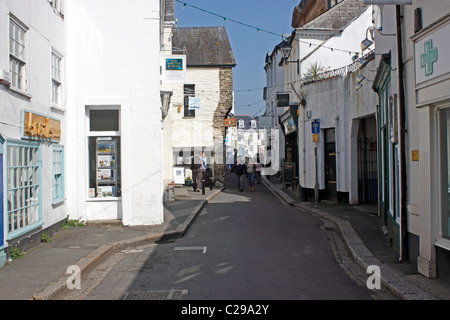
[[240, 171], [204, 167], [251, 169], [258, 171], [196, 167]]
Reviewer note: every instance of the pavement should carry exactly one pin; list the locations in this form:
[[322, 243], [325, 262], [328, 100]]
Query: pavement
[[44, 271]]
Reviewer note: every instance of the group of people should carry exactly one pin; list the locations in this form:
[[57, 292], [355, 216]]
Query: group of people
[[251, 170]]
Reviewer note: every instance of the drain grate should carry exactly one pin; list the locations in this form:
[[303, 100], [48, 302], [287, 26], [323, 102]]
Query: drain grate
[[155, 295]]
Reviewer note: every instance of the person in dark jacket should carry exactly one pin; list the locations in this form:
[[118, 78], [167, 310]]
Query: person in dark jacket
[[251, 169], [240, 172], [196, 167]]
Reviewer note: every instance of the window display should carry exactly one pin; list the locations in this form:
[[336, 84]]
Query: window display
[[104, 153], [106, 183]]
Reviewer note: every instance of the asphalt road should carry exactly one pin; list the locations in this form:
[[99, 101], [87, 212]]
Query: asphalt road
[[242, 246]]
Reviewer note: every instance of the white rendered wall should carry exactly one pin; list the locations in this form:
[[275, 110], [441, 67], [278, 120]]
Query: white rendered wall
[[180, 131], [113, 60]]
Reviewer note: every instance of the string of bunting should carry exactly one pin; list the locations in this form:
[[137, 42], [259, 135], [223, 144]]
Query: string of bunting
[[283, 37]]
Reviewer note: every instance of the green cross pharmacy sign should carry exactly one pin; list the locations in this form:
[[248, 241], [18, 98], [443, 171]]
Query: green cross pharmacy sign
[[432, 52], [429, 57]]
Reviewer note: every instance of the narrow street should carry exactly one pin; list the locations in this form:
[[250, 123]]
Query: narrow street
[[242, 246]]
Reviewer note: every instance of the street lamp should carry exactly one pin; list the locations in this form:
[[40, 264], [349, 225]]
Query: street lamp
[[286, 48]]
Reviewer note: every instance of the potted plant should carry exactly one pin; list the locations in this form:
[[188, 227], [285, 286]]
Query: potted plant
[[188, 181]]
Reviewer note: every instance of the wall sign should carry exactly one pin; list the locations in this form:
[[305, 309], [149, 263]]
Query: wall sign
[[174, 68], [430, 55], [315, 127], [38, 126], [194, 103]]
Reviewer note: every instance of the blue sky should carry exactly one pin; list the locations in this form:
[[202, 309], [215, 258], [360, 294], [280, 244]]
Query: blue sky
[[249, 46]]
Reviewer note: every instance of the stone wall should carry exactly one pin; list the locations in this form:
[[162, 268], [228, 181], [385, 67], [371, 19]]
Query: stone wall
[[224, 106]]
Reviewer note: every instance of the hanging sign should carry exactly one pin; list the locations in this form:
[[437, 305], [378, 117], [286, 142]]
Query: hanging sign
[[230, 122], [174, 68], [289, 126], [283, 100], [38, 126]]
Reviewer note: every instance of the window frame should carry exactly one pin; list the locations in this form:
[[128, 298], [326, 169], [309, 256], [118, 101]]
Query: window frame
[[18, 60], [188, 113], [58, 187], [35, 169], [56, 79], [96, 134]]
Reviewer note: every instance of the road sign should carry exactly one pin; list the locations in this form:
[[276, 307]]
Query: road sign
[[314, 136], [315, 127]]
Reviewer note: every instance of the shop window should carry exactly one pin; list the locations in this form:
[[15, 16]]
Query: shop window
[[444, 119], [57, 174], [104, 153], [23, 190]]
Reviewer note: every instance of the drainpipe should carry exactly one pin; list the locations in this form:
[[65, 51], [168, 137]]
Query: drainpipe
[[402, 130]]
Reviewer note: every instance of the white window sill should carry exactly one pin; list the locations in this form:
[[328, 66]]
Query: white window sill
[[21, 92], [443, 243], [57, 108], [104, 199]]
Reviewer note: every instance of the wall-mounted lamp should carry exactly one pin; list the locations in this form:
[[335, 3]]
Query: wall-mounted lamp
[[366, 43], [359, 78], [358, 86], [286, 48], [165, 102]]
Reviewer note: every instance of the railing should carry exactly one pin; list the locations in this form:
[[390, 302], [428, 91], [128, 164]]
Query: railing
[[342, 71]]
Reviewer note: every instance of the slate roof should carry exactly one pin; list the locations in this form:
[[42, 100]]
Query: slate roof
[[338, 16], [206, 46]]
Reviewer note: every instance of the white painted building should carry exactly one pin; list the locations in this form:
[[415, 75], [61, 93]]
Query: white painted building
[[114, 155], [336, 122], [414, 129], [194, 118], [275, 86], [33, 126]]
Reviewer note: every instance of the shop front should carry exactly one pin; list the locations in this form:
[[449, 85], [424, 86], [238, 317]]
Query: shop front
[[32, 175], [432, 83], [289, 127]]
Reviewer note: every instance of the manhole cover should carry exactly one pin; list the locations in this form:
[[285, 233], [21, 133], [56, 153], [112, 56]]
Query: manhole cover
[[155, 295]]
